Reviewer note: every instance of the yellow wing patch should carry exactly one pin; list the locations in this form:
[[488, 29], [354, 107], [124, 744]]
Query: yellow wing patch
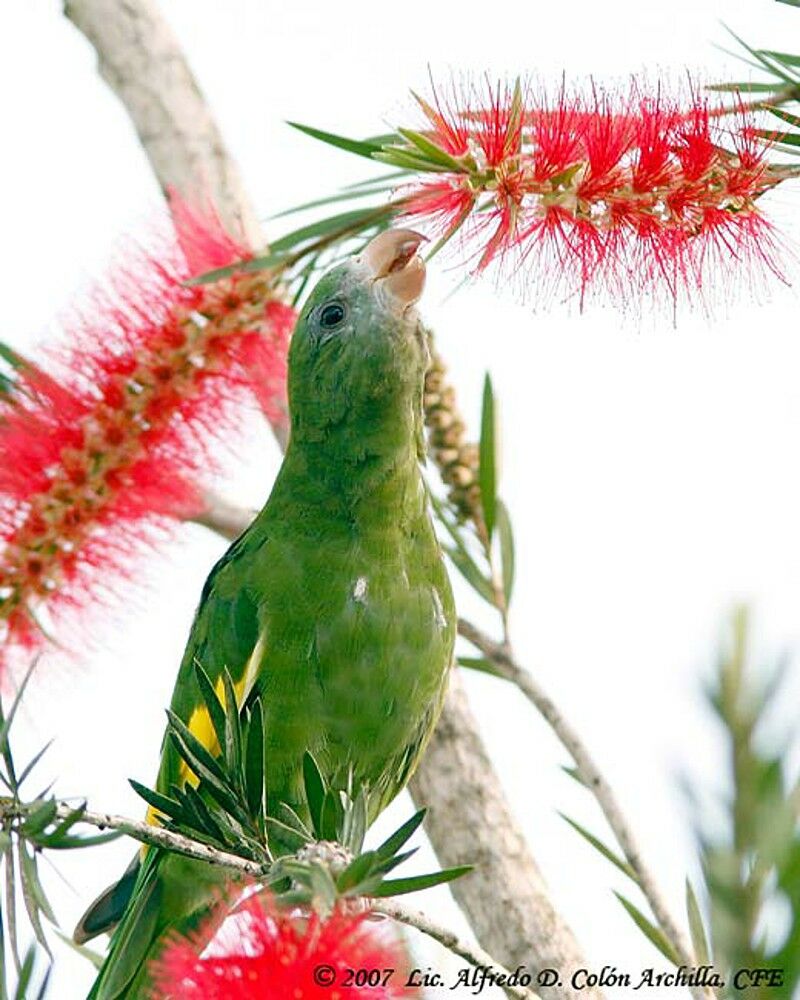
[[201, 726]]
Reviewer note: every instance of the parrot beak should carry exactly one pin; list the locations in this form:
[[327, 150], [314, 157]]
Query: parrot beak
[[391, 259]]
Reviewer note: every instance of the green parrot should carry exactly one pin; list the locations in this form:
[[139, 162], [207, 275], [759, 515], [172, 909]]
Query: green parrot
[[334, 606]]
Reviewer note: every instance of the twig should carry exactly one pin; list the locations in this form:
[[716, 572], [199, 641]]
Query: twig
[[224, 517], [784, 95], [476, 956], [502, 658]]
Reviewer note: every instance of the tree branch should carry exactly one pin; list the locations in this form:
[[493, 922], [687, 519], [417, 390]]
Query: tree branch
[[476, 956], [141, 60], [502, 658], [507, 902]]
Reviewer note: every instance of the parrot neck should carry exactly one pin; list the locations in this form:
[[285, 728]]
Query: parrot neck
[[357, 469]]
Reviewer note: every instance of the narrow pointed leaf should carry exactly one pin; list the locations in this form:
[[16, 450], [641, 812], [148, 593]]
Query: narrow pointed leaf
[[654, 934], [165, 805], [598, 845], [315, 790], [431, 151], [402, 834], [357, 146], [357, 871], [506, 536], [479, 663], [696, 928], [469, 570], [401, 886], [254, 760], [487, 477], [215, 710]]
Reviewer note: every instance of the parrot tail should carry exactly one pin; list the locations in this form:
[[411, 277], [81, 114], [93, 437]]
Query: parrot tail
[[166, 895]]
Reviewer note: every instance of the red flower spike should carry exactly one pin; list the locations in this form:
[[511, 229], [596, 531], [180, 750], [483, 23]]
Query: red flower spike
[[285, 957], [628, 195], [103, 453]]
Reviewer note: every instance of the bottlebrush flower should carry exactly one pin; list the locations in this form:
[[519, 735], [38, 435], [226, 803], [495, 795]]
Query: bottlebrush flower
[[104, 444], [635, 194], [283, 957]]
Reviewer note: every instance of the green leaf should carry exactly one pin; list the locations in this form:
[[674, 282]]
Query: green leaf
[[87, 953], [358, 869], [331, 816], [234, 752], [487, 475], [7, 720], [12, 358], [767, 63], [396, 156], [315, 791], [359, 147], [348, 222], [355, 823], [479, 663], [783, 57], [333, 199], [194, 753], [166, 806], [574, 773], [402, 834], [33, 762], [39, 817], [287, 815], [785, 116], [431, 151], [696, 928], [29, 895], [744, 87], [790, 3], [323, 886], [254, 760], [469, 570], [506, 535], [384, 867], [782, 138], [598, 845], [216, 711], [401, 886], [654, 934], [291, 839]]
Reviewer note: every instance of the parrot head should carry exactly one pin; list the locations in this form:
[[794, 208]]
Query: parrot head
[[359, 352]]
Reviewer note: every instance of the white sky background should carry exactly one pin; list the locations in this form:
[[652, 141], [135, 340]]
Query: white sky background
[[651, 473]]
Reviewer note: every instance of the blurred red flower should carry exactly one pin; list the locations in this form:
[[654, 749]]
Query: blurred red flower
[[105, 440], [285, 957]]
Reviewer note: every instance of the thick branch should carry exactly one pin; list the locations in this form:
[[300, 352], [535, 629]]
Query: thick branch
[[590, 775], [140, 59]]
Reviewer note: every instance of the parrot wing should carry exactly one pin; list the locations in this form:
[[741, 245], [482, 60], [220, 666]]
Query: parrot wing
[[225, 635]]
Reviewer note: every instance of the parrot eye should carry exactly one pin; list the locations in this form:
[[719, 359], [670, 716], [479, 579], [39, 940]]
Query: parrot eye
[[332, 315]]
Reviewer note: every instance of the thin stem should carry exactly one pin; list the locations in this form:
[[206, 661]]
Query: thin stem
[[473, 954], [503, 659], [783, 95]]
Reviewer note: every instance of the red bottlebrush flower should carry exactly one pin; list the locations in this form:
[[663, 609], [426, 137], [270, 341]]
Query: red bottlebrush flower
[[631, 195], [104, 450], [284, 957]]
